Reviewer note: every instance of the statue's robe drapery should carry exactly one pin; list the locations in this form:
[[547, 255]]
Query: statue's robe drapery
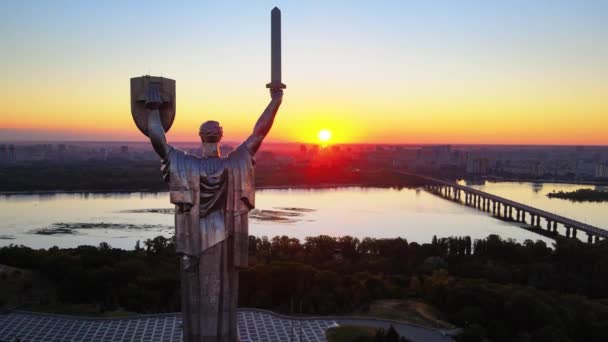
[[213, 197]]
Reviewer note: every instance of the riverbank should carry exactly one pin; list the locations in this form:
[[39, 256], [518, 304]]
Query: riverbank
[[145, 177], [118, 191]]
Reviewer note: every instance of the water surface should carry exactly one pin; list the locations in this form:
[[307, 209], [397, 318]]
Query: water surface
[[121, 219]]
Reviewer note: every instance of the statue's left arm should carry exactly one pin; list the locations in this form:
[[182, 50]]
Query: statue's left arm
[[264, 124]]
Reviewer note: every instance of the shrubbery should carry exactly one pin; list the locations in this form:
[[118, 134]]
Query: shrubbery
[[497, 290]]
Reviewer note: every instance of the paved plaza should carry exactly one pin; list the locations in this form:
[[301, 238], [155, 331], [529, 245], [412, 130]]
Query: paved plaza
[[253, 326]]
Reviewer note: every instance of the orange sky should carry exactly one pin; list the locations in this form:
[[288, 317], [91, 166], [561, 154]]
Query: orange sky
[[517, 75]]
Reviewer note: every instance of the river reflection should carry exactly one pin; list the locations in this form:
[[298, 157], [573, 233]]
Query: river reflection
[[123, 218]]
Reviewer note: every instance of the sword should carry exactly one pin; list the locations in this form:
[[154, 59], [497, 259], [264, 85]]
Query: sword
[[275, 50]]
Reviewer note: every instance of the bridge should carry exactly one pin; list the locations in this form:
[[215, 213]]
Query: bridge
[[504, 208]]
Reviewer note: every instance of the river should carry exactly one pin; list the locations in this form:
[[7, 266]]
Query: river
[[120, 219]]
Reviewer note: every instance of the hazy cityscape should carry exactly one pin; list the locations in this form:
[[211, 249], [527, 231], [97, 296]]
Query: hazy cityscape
[[508, 162]]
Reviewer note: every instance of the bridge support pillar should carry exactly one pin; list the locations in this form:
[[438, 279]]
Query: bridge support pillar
[[555, 226], [567, 231], [589, 238], [597, 239], [548, 225], [538, 220], [511, 212], [523, 216], [574, 232]]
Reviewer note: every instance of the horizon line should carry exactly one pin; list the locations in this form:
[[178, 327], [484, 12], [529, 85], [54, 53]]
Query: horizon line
[[57, 141]]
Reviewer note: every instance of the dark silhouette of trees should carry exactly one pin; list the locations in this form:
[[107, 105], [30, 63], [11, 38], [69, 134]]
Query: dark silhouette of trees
[[495, 289]]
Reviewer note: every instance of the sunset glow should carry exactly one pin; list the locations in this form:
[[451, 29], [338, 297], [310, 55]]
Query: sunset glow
[[478, 73]]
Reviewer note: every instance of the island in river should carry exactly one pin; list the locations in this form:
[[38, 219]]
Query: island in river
[[581, 195]]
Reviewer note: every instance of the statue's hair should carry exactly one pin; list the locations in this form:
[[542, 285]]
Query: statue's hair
[[211, 131]]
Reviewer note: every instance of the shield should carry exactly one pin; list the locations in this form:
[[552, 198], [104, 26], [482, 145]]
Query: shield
[[139, 87]]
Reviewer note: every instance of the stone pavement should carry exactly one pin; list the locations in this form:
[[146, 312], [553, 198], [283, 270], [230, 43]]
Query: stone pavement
[[253, 325]]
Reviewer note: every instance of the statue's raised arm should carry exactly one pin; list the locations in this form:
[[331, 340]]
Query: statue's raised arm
[[264, 123], [156, 132]]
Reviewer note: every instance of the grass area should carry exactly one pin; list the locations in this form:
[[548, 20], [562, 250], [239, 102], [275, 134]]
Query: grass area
[[349, 333], [19, 288], [409, 310], [27, 290]]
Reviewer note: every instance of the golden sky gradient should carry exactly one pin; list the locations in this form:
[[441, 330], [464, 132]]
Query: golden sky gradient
[[398, 73]]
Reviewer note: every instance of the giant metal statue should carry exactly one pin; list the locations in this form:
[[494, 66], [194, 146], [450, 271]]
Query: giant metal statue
[[213, 195]]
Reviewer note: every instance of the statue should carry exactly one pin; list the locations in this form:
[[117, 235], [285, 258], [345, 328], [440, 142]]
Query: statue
[[213, 195]]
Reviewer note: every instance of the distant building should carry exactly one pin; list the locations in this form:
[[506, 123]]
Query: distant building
[[3, 153], [478, 166], [12, 154], [601, 170]]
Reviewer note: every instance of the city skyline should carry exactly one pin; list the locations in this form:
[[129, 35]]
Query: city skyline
[[392, 73]]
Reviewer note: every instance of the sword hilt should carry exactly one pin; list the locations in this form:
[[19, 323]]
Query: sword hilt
[[276, 85]]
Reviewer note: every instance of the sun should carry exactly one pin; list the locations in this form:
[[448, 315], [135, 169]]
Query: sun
[[324, 135]]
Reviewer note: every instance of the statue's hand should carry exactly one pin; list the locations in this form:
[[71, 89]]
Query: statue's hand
[[276, 94], [153, 98]]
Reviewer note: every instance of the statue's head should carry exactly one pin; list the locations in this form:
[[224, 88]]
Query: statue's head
[[211, 132]]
